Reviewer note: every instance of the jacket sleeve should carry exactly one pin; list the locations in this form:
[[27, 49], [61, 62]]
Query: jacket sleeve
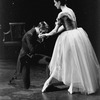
[[28, 40]]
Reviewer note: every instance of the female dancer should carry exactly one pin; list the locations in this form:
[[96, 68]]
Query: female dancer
[[73, 61]]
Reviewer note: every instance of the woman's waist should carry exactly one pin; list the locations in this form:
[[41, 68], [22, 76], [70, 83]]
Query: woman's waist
[[71, 26], [70, 29], [73, 31]]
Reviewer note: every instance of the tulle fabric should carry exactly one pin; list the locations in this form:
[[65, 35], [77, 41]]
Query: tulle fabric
[[74, 61]]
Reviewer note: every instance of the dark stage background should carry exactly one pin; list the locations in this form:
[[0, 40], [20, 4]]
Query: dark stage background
[[33, 11]]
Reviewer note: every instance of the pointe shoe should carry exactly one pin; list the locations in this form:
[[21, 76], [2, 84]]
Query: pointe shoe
[[70, 89], [46, 84], [44, 88]]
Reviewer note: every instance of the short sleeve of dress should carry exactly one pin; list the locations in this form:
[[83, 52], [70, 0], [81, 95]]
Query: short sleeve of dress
[[65, 14], [68, 13], [58, 21], [61, 15]]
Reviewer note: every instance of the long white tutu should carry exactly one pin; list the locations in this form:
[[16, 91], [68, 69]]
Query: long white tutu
[[74, 61]]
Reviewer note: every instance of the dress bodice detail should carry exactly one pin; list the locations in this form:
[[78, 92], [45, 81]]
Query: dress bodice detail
[[67, 18]]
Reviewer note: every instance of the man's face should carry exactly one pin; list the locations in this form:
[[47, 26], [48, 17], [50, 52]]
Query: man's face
[[43, 30]]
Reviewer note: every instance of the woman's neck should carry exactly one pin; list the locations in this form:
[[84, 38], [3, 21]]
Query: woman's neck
[[63, 7]]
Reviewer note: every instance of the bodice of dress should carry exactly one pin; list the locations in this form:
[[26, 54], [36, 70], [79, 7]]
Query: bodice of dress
[[67, 18]]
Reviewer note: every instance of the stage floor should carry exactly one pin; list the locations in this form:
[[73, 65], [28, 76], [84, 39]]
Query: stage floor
[[38, 77]]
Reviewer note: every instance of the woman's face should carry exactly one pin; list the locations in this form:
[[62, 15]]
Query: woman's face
[[57, 4]]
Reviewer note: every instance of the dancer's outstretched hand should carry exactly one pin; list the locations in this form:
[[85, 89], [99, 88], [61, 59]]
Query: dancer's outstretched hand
[[41, 35]]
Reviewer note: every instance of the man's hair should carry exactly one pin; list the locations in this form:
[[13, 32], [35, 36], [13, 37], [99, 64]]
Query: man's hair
[[43, 25]]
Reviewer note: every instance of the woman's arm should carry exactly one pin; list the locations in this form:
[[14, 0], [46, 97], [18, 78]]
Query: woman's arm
[[61, 28], [58, 28]]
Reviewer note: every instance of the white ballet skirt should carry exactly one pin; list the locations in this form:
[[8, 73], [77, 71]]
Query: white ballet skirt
[[74, 61]]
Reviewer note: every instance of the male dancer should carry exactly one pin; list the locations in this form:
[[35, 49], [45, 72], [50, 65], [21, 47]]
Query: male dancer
[[27, 52]]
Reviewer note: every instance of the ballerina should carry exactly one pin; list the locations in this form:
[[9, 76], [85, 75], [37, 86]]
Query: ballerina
[[73, 61]]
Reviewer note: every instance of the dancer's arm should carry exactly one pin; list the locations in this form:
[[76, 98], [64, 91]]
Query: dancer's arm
[[58, 28]]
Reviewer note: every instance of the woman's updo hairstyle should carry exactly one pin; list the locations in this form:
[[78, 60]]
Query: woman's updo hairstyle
[[63, 2]]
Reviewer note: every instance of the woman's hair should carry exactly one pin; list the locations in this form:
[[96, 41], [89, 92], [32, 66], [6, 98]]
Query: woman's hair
[[63, 2]]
